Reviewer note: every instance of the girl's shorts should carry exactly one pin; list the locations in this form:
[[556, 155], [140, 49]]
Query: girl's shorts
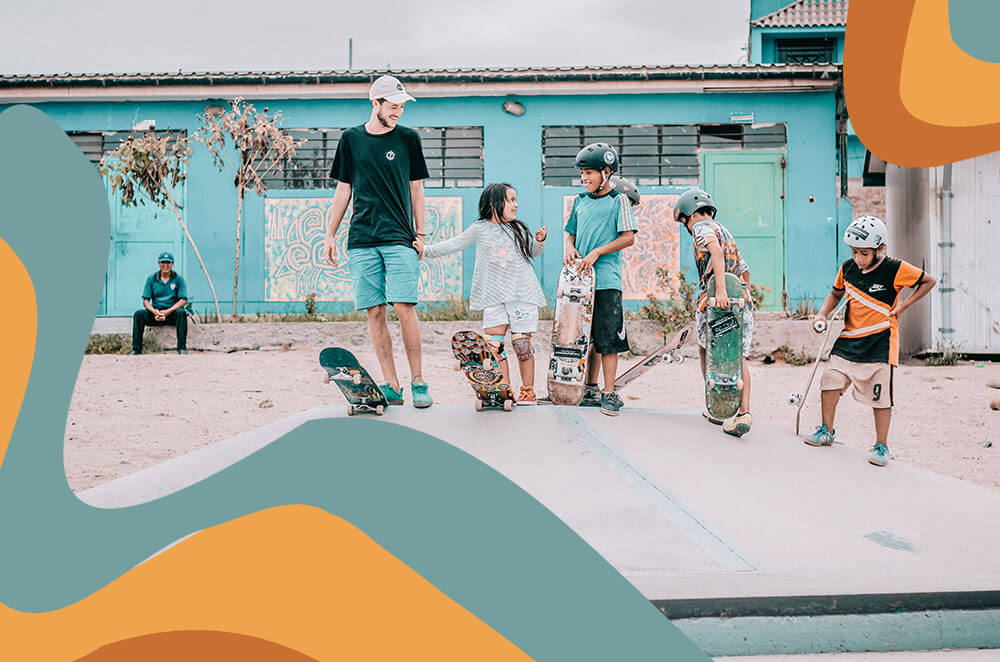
[[521, 317]]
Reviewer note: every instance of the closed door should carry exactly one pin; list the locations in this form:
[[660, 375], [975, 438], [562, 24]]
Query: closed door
[[747, 187]]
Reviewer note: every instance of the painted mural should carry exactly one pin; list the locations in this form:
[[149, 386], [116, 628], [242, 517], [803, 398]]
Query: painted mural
[[293, 244], [657, 244]]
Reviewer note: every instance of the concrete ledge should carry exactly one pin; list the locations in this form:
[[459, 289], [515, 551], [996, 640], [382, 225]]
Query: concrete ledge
[[769, 333], [788, 635]]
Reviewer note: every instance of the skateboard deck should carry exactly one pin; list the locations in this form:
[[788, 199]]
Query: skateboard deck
[[361, 391], [798, 400], [669, 353], [475, 360], [724, 350], [570, 336]]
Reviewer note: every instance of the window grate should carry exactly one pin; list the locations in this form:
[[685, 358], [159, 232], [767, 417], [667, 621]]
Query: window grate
[[454, 157], [805, 51], [97, 144], [651, 154]]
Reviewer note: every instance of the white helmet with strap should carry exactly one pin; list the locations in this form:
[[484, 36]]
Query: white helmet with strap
[[865, 232]]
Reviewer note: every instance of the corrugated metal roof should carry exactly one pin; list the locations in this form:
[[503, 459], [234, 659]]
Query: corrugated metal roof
[[471, 75], [806, 13]]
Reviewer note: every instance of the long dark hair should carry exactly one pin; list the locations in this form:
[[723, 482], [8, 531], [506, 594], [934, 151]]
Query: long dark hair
[[491, 204]]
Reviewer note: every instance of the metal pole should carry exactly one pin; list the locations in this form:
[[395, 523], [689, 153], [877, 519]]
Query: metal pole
[[946, 288], [350, 53]]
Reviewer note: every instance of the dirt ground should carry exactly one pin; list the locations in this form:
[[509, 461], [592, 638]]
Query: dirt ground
[[132, 412]]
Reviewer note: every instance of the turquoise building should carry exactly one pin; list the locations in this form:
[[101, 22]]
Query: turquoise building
[[762, 138]]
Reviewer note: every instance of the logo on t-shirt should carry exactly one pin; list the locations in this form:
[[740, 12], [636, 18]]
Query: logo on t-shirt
[[390, 155], [173, 286], [877, 287]]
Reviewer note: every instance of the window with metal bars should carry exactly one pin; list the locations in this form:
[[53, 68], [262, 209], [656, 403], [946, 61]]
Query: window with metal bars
[[651, 154], [454, 157], [97, 144], [805, 51]]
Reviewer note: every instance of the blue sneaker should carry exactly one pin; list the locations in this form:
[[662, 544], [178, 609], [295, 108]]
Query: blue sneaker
[[392, 395], [821, 437], [421, 396], [879, 455]]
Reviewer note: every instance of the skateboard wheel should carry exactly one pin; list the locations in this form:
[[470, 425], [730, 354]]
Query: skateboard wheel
[[350, 410], [711, 302], [479, 405], [819, 326], [356, 379], [710, 383], [739, 384], [326, 378], [679, 359], [508, 405], [794, 399], [379, 410]]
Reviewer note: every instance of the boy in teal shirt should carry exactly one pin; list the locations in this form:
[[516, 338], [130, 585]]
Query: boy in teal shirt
[[600, 225]]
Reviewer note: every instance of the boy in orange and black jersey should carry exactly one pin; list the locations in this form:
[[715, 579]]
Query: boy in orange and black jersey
[[868, 348]]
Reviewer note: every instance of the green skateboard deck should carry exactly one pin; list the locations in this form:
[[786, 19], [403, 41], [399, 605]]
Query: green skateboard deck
[[474, 359], [361, 391], [724, 350]]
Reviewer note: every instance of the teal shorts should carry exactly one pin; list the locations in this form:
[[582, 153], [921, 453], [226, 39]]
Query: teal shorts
[[383, 274]]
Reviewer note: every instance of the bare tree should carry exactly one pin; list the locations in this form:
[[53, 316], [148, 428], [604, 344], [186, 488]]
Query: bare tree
[[146, 169], [252, 146]]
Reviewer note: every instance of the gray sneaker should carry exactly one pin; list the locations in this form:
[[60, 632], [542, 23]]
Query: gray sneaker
[[591, 396], [611, 404]]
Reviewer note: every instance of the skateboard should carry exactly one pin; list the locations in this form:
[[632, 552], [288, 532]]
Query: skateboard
[[724, 350], [361, 391], [669, 353], [475, 360], [570, 336], [798, 400]]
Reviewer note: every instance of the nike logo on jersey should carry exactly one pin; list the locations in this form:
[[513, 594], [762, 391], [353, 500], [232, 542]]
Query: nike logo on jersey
[[621, 334], [877, 287]]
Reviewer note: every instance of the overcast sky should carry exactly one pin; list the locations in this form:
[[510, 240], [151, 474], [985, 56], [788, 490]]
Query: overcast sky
[[125, 36]]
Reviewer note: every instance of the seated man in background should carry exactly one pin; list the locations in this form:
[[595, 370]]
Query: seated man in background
[[163, 298]]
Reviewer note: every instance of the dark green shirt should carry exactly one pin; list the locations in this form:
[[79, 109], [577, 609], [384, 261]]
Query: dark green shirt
[[379, 169], [163, 295]]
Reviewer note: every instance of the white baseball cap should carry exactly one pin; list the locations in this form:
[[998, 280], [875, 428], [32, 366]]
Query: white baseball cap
[[390, 89]]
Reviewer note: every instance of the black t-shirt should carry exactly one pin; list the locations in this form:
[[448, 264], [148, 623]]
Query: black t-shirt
[[870, 334], [379, 169]]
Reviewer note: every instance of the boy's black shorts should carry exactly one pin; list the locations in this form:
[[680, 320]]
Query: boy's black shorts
[[607, 330]]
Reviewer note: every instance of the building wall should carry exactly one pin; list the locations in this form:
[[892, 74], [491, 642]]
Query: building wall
[[911, 215], [512, 153]]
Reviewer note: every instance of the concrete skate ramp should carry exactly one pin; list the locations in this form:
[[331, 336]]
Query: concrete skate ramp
[[685, 511]]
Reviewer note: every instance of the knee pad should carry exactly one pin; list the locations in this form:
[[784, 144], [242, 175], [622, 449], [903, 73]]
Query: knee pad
[[495, 344], [522, 346]]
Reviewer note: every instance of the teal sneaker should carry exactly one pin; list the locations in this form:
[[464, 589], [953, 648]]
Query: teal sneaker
[[611, 403], [821, 437], [421, 396], [879, 455], [392, 395], [591, 396]]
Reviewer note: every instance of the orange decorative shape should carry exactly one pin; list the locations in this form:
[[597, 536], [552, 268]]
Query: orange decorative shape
[[17, 340], [876, 39], [294, 576], [939, 82]]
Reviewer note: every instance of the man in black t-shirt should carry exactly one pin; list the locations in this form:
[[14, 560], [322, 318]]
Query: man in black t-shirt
[[381, 164]]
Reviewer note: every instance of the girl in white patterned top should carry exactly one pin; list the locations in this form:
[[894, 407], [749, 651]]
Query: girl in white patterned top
[[504, 285]]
